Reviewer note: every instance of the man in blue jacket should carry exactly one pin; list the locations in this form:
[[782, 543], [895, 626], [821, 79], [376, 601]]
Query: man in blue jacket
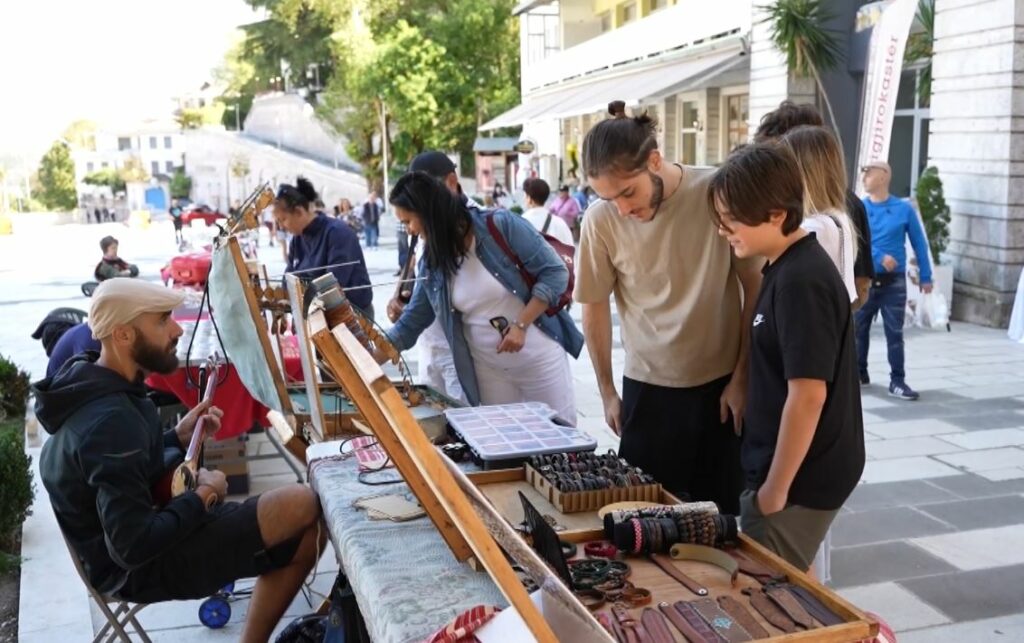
[[892, 220]]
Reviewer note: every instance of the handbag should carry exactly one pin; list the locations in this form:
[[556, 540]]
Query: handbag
[[565, 253]]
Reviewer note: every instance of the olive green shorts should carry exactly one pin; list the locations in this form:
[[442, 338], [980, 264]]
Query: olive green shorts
[[795, 533]]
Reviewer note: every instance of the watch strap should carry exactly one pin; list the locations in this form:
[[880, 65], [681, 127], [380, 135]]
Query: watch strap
[[724, 625], [790, 605], [771, 612], [669, 567], [656, 627], [736, 609], [815, 607], [689, 623]]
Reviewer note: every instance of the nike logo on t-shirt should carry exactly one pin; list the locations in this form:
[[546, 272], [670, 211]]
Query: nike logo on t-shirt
[[758, 319]]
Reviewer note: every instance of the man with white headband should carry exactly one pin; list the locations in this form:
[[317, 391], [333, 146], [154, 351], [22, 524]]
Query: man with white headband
[[106, 450]]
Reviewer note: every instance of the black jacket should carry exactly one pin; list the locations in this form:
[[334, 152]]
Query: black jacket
[[105, 454]]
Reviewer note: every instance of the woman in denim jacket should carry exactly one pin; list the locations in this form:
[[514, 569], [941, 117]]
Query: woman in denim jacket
[[505, 347]]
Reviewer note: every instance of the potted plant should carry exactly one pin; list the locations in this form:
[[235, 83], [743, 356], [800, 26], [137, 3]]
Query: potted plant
[[931, 204]]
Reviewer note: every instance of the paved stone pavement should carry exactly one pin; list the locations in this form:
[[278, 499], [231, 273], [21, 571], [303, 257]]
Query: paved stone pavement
[[932, 539]]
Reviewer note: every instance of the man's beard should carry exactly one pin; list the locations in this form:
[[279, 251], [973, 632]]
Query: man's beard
[[657, 192], [154, 359]]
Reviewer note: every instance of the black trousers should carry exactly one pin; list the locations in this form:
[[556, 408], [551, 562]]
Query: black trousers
[[676, 435]]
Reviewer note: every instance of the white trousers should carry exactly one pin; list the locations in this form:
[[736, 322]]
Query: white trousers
[[549, 382]]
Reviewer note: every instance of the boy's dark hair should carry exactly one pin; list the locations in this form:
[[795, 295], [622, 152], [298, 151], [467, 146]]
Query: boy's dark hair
[[300, 195], [756, 180], [537, 189], [106, 242], [620, 143], [784, 118]]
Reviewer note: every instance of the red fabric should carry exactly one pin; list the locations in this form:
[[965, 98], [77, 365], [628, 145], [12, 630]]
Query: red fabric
[[461, 629]]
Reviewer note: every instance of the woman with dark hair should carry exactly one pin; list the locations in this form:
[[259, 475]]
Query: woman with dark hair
[[684, 303], [506, 348], [321, 242]]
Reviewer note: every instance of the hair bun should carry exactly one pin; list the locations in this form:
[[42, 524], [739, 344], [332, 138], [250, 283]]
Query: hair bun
[[617, 108], [306, 188]]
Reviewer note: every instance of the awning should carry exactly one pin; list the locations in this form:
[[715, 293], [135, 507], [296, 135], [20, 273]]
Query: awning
[[495, 145], [633, 87]]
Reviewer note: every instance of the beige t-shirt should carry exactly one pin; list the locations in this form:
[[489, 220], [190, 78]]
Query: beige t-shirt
[[675, 286]]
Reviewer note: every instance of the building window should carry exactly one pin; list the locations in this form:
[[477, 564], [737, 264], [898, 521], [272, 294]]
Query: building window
[[152, 142], [629, 12], [606, 21], [737, 112], [690, 126], [908, 147], [169, 166], [89, 167], [542, 33], [124, 143], [658, 4], [155, 167], [167, 142], [103, 165]]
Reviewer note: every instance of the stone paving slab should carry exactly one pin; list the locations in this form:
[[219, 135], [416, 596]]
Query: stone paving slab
[[898, 469], [974, 595], [883, 525], [978, 548], [903, 610], [896, 494], [1006, 628], [979, 513], [883, 561]]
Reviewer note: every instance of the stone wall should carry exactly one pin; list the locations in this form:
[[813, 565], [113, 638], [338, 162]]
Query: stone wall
[[977, 144]]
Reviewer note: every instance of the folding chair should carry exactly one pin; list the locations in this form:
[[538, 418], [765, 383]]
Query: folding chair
[[119, 618]]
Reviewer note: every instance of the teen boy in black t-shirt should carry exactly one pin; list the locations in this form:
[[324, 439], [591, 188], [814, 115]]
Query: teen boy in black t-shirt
[[803, 441]]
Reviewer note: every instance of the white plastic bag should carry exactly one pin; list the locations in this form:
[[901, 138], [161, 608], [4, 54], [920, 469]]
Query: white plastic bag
[[932, 311]]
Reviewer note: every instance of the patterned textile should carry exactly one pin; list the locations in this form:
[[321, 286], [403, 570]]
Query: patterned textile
[[461, 629], [238, 331], [405, 578]]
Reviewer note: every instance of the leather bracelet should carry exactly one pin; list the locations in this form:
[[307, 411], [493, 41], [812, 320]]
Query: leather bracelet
[[619, 568], [568, 549], [638, 532], [592, 599], [689, 622], [656, 627], [708, 555], [635, 596], [669, 568], [600, 549], [816, 608], [790, 605]]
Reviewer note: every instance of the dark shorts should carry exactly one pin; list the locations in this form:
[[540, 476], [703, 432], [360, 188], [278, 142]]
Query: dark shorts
[[677, 436], [227, 547], [795, 533], [177, 222]]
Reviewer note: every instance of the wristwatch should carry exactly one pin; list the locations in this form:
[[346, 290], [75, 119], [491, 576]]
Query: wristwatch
[[520, 325]]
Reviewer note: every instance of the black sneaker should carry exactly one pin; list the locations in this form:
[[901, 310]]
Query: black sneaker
[[865, 379], [903, 392]]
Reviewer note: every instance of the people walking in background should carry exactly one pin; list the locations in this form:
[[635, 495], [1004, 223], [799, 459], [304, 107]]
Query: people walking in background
[[567, 209], [537, 193], [176, 219], [500, 196], [371, 219], [892, 220], [505, 347]]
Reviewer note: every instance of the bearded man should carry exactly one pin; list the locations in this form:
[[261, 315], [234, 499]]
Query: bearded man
[[107, 450]]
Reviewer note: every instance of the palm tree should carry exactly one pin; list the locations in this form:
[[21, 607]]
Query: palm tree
[[797, 30], [919, 47]]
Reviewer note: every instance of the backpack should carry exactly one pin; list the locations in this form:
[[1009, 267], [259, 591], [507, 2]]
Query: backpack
[[565, 253]]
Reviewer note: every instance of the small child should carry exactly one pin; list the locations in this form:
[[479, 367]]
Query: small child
[[803, 439], [111, 265]]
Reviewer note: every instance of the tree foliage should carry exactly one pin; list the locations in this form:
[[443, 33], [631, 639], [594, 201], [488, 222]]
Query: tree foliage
[[57, 178], [934, 212], [440, 67], [919, 48], [181, 184], [81, 134], [133, 171], [108, 177]]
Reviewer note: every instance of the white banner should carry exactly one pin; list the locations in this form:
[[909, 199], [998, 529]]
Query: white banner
[[882, 80]]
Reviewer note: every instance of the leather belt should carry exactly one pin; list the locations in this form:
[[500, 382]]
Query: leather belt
[[770, 611], [724, 625], [704, 554], [754, 569], [632, 630], [669, 568], [655, 624], [735, 609], [788, 604], [605, 622], [689, 623], [816, 608]]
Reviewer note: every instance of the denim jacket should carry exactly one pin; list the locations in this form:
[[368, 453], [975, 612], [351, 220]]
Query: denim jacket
[[431, 297]]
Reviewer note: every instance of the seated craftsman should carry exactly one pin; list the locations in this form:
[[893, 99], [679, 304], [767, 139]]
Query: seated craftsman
[[106, 452], [321, 243], [111, 265]]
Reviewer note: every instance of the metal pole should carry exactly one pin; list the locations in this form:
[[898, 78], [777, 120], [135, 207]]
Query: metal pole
[[384, 149]]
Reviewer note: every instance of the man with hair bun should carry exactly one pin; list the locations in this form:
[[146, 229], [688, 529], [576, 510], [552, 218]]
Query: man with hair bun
[[684, 301]]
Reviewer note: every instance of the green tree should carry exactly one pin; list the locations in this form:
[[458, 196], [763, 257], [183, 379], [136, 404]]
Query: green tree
[[919, 48], [934, 211], [133, 171], [181, 184], [81, 134], [108, 177], [57, 178], [797, 28]]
